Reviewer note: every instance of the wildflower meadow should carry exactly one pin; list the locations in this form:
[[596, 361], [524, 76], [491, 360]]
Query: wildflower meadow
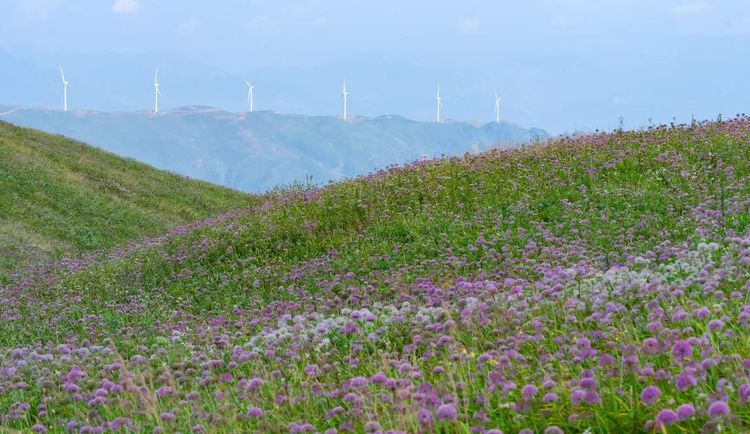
[[593, 284]]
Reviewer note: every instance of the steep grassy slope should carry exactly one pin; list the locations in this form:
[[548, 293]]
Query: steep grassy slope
[[59, 196], [594, 283]]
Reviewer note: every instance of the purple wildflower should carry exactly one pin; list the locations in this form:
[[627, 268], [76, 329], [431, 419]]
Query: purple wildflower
[[425, 418], [358, 382], [447, 412], [164, 391], [685, 411], [718, 409], [682, 350], [312, 371], [606, 360], [529, 391], [744, 392], [255, 384], [684, 380], [577, 395], [715, 325], [666, 417], [650, 346], [167, 417], [650, 394], [587, 383], [71, 388], [353, 399], [372, 426], [702, 313], [379, 378], [592, 397], [350, 328], [255, 412]]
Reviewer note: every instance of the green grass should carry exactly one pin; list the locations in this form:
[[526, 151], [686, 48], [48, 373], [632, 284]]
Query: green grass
[[614, 235], [62, 197], [413, 215]]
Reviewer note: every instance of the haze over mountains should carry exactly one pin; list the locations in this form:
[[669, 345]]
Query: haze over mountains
[[258, 151]]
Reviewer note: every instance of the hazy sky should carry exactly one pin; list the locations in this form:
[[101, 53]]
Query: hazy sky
[[558, 64]]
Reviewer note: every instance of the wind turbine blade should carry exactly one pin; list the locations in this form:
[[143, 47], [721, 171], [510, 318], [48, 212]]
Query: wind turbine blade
[[62, 74], [248, 83]]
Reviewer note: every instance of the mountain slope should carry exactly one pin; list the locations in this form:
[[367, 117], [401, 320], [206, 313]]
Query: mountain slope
[[60, 196], [259, 151], [598, 283]]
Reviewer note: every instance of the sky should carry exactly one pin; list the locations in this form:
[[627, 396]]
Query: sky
[[562, 65]]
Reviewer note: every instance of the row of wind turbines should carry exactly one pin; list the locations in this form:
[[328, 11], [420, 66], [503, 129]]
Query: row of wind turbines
[[250, 97]]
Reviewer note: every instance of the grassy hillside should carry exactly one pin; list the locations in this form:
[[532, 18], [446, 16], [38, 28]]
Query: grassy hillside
[[59, 196], [599, 283]]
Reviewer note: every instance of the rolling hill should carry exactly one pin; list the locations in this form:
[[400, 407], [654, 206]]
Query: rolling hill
[[61, 197], [594, 284], [258, 151]]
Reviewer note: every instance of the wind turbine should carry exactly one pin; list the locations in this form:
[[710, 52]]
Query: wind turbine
[[65, 90], [497, 108], [439, 104], [156, 91], [345, 94], [250, 88]]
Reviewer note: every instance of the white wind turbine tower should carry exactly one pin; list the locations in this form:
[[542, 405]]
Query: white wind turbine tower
[[65, 90], [345, 94], [156, 91], [250, 88], [497, 108], [439, 104]]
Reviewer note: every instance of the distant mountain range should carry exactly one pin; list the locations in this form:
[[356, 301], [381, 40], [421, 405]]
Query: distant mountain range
[[257, 151]]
